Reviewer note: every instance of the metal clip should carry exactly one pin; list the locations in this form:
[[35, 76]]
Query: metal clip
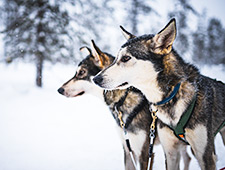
[[120, 115], [154, 117]]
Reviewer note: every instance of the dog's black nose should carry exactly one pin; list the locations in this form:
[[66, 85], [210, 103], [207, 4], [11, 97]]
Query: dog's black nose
[[61, 90], [98, 80]]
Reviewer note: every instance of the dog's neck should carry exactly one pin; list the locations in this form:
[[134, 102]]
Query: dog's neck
[[151, 91], [98, 92]]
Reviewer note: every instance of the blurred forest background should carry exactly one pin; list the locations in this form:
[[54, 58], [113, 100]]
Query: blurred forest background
[[39, 31]]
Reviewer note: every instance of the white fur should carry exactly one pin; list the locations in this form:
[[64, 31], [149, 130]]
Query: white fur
[[164, 117], [73, 88], [136, 141], [173, 149], [197, 138], [180, 108]]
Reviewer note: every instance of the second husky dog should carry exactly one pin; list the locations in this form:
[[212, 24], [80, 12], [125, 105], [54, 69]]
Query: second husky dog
[[131, 102], [175, 88]]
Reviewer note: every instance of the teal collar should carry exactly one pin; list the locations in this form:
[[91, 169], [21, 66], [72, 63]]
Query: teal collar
[[171, 96]]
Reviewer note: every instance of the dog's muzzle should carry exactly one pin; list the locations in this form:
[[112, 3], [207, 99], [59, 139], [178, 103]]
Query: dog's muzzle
[[61, 90]]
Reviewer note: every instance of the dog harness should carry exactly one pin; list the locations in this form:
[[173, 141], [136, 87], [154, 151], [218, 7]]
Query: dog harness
[[129, 119], [154, 117], [126, 137], [179, 128], [125, 125]]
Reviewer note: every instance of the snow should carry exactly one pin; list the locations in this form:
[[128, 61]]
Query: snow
[[42, 130]]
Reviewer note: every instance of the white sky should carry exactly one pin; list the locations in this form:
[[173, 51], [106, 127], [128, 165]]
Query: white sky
[[215, 8]]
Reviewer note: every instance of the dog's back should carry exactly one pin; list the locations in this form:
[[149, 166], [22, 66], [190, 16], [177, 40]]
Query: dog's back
[[212, 94]]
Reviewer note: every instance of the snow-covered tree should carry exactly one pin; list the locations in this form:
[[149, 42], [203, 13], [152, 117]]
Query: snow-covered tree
[[53, 30], [36, 30], [199, 39], [215, 42]]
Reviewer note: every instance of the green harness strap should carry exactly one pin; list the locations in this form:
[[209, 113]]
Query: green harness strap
[[179, 128], [221, 126]]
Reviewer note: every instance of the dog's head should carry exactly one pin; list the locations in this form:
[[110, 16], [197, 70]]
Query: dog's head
[[139, 60], [82, 81]]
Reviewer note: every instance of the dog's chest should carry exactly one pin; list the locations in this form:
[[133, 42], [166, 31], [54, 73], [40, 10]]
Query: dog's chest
[[118, 101], [137, 140], [171, 116]]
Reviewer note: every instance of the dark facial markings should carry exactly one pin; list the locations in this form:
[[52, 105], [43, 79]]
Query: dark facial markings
[[88, 68], [81, 73], [139, 49], [125, 58]]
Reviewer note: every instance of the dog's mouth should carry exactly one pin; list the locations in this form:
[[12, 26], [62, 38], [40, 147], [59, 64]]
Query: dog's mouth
[[123, 84], [79, 94]]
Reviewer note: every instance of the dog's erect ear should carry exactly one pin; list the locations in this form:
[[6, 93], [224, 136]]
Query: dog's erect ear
[[101, 59], [86, 48], [126, 34], [162, 42]]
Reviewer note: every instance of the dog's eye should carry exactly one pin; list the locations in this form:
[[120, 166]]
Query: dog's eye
[[81, 73], [125, 58]]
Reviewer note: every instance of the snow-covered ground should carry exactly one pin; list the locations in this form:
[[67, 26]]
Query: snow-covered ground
[[42, 130]]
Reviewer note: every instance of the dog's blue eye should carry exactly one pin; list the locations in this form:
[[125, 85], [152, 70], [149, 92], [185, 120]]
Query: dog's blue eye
[[125, 58]]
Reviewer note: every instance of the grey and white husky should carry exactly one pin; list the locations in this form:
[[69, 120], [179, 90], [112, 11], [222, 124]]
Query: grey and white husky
[[150, 64], [130, 102]]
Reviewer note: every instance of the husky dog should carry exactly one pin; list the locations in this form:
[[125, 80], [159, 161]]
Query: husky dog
[[150, 64], [130, 102]]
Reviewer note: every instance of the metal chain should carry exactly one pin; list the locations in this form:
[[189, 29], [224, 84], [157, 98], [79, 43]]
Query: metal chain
[[151, 136]]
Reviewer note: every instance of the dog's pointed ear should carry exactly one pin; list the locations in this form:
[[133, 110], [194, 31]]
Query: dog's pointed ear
[[162, 42], [126, 34], [86, 48], [101, 59]]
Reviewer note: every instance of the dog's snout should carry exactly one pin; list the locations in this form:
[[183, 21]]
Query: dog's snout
[[61, 90], [98, 80]]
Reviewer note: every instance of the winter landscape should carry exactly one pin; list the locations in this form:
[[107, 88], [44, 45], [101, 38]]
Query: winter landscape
[[43, 130], [39, 51]]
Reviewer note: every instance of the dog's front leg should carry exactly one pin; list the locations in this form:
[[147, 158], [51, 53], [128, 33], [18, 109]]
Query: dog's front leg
[[143, 158], [202, 144], [127, 160], [170, 144], [186, 157]]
